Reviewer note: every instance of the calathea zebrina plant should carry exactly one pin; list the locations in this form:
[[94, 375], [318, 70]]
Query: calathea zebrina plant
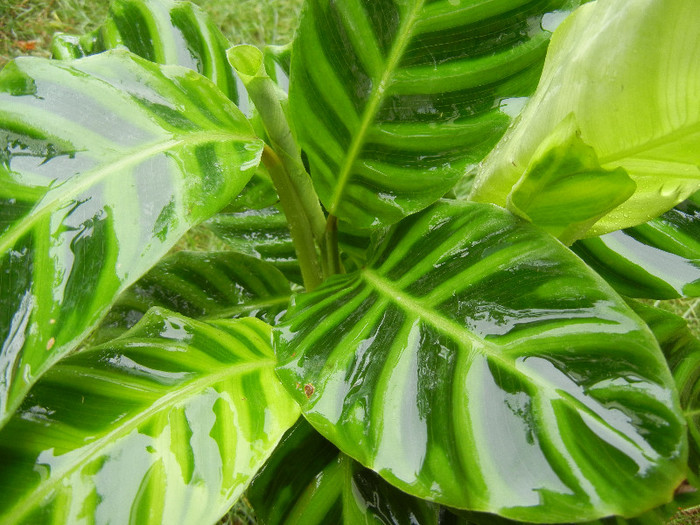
[[428, 310]]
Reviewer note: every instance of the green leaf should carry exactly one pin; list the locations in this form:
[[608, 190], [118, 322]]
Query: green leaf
[[260, 233], [682, 351], [167, 424], [635, 98], [478, 363], [105, 162], [656, 260], [392, 101], [162, 31], [564, 190], [213, 285], [307, 480]]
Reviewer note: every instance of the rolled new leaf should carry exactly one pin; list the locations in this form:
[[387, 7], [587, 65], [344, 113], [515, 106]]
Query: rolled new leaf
[[659, 259], [108, 161], [392, 101], [636, 100], [201, 285], [308, 480], [478, 363], [162, 31], [167, 424]]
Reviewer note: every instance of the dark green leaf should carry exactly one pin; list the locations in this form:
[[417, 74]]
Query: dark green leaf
[[682, 351], [212, 285], [167, 424], [478, 363], [162, 31], [657, 260], [392, 101], [105, 162], [307, 480], [260, 233]]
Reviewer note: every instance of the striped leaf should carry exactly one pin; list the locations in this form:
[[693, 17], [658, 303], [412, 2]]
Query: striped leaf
[[657, 260], [260, 233], [167, 424], [162, 31], [214, 285], [393, 100], [478, 363], [106, 161], [682, 351], [635, 99], [308, 481]]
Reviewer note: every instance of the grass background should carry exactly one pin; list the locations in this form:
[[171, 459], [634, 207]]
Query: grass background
[[26, 27]]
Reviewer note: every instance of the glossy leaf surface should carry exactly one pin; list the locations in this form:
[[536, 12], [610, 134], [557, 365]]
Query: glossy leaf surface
[[167, 424], [106, 162], [656, 260], [393, 100], [215, 285], [260, 233], [636, 100], [682, 351], [308, 481], [473, 351], [162, 31]]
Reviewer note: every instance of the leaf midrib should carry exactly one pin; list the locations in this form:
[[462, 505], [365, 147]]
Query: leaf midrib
[[86, 179], [651, 144], [377, 96], [484, 347], [24, 505]]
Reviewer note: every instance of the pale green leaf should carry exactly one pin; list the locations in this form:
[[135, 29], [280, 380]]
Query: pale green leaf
[[630, 73], [564, 190]]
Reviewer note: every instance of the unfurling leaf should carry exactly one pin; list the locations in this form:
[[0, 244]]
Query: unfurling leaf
[[636, 99], [564, 190]]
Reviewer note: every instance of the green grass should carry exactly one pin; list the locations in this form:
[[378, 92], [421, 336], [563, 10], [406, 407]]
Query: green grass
[[26, 27]]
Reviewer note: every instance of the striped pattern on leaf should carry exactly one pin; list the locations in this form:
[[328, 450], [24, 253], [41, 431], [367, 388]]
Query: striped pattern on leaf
[[162, 31], [260, 233], [477, 362], [307, 480], [108, 161], [682, 351], [167, 424], [656, 260], [213, 285], [393, 100]]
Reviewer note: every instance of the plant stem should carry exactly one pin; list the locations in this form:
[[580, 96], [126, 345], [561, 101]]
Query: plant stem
[[331, 252], [302, 236]]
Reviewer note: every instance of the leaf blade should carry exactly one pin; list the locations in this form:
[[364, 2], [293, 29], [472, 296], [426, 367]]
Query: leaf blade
[[108, 160], [608, 86], [431, 337], [183, 413], [394, 100]]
